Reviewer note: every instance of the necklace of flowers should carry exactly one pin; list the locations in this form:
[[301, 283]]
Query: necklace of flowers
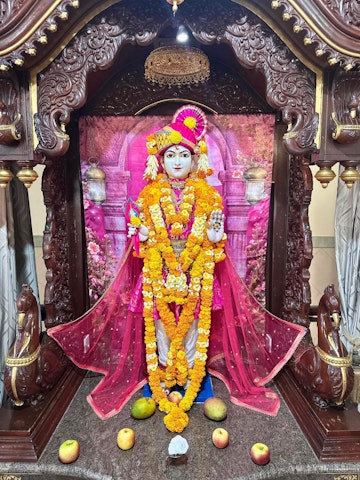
[[177, 219], [176, 419], [156, 291]]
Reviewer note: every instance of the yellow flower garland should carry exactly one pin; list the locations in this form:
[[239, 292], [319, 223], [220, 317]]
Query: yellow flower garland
[[187, 289]]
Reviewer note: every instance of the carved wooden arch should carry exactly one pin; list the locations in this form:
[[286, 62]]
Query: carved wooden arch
[[290, 88], [63, 86]]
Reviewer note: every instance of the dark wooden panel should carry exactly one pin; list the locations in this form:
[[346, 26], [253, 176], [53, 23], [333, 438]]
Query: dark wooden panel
[[333, 433], [25, 432]]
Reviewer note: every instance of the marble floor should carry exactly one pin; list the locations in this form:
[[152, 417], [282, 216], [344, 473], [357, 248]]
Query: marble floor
[[291, 456]]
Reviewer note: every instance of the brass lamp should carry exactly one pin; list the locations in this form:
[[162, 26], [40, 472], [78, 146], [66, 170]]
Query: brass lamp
[[95, 178]]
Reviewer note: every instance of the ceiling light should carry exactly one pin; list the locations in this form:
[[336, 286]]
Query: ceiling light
[[182, 35]]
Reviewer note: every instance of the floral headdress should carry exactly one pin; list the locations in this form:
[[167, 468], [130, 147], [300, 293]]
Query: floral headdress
[[188, 127]]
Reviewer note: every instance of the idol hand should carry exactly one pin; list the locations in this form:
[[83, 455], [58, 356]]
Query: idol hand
[[215, 229], [142, 231]]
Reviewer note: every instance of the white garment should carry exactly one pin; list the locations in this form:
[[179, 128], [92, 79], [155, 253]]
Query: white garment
[[163, 342]]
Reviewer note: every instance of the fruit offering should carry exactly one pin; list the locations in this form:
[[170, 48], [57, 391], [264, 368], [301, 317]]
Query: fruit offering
[[143, 408], [215, 409], [260, 453], [125, 438], [69, 451], [175, 397], [220, 437]]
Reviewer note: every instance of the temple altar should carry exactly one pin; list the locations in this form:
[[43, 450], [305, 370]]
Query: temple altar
[[296, 62]]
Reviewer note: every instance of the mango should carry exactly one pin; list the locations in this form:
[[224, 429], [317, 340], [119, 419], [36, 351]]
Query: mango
[[215, 409], [143, 408]]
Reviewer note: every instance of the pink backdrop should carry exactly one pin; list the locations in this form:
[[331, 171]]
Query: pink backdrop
[[235, 142]]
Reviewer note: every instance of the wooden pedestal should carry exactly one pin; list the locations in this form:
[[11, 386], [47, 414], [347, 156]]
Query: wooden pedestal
[[24, 432], [334, 433]]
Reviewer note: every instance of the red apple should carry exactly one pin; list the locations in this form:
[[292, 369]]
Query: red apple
[[175, 397], [215, 409], [260, 453], [126, 438], [220, 437], [69, 451]]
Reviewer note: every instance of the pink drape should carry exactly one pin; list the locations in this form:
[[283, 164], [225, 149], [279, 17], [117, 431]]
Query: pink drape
[[248, 345]]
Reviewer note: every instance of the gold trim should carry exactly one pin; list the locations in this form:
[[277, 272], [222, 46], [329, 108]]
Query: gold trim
[[51, 57], [334, 361], [312, 25], [31, 30], [177, 100], [350, 476], [71, 34], [340, 127], [22, 361], [295, 49], [11, 127], [9, 477]]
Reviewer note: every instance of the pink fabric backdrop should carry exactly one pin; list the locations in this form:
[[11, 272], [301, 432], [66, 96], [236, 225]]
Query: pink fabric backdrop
[[235, 142]]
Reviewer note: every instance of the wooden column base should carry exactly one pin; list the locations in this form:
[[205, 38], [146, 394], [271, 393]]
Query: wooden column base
[[25, 431], [334, 433]]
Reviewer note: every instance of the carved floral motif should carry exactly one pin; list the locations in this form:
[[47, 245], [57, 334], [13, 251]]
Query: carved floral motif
[[9, 8], [57, 297], [345, 122], [10, 118], [297, 296], [289, 88]]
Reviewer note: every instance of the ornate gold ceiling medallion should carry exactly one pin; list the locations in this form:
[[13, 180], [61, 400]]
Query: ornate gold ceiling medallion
[[177, 65]]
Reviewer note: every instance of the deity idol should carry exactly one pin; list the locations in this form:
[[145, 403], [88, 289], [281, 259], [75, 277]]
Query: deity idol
[[187, 312]]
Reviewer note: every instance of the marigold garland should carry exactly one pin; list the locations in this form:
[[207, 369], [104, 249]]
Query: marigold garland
[[187, 281]]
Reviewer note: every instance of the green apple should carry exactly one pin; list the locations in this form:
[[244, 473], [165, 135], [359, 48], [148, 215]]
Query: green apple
[[69, 451], [220, 437], [215, 409], [260, 453], [126, 438]]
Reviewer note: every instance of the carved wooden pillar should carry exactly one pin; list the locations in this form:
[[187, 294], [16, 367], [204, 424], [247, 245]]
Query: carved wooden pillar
[[299, 244], [55, 245]]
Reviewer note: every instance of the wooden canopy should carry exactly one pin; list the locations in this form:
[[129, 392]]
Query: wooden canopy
[[298, 59]]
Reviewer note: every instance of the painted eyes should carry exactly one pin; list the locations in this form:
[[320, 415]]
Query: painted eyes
[[171, 155]]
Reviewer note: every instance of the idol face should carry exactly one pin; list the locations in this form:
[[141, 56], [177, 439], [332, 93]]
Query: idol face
[[177, 161]]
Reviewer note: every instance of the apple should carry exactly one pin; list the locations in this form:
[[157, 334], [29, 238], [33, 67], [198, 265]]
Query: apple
[[215, 409], [175, 397], [126, 438], [69, 451], [260, 453], [220, 437]]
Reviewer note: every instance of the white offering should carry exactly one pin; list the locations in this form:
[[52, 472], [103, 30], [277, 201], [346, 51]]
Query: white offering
[[178, 446]]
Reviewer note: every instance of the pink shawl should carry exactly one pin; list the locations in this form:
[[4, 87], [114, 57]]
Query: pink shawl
[[248, 345]]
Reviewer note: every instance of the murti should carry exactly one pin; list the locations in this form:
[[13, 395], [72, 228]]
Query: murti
[[184, 277]]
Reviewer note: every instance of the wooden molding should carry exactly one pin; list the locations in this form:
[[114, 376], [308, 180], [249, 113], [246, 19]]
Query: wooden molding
[[25, 432], [333, 433]]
